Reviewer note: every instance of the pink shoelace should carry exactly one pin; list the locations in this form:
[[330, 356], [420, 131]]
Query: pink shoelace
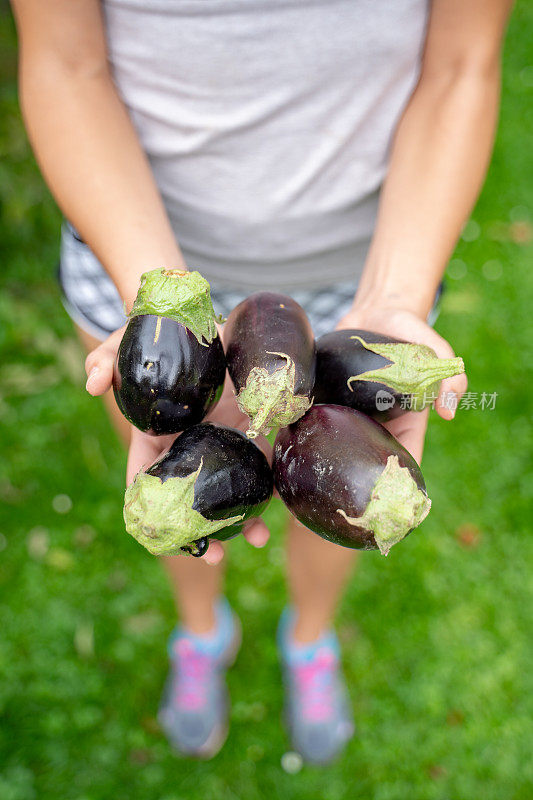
[[194, 670], [314, 681]]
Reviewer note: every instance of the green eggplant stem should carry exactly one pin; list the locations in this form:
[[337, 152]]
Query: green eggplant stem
[[160, 514], [396, 506], [415, 370], [268, 399], [180, 295]]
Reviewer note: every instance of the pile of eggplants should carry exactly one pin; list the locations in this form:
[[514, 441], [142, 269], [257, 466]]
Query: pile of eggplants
[[336, 468]]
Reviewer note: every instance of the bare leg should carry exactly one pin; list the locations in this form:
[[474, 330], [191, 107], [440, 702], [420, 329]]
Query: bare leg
[[195, 584], [318, 570], [317, 573]]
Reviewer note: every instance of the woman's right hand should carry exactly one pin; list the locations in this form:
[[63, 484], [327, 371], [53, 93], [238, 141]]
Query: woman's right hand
[[145, 449]]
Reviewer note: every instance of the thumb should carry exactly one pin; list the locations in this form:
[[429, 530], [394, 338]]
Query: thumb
[[99, 364]]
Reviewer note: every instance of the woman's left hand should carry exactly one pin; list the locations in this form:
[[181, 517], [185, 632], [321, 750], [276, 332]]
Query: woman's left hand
[[410, 428]]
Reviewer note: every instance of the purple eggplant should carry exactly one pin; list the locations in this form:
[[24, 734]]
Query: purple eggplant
[[170, 367], [209, 483], [270, 352], [380, 376], [347, 478]]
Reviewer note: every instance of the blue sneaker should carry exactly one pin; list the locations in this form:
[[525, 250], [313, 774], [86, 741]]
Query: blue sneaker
[[195, 705], [317, 707]]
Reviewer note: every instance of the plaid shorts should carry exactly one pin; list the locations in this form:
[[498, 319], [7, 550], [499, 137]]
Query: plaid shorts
[[93, 302]]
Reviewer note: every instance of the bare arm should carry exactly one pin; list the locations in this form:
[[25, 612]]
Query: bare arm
[[93, 162], [439, 157], [85, 143], [438, 162]]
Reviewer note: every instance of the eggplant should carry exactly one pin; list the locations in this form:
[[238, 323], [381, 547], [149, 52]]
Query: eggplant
[[164, 379], [378, 375], [270, 352], [209, 483], [345, 477], [170, 366]]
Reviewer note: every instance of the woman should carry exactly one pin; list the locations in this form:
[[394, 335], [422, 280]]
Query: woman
[[331, 149]]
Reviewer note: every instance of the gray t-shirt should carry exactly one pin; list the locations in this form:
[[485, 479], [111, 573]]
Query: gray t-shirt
[[268, 125]]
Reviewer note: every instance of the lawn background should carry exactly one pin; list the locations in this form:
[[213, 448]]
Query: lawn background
[[437, 638]]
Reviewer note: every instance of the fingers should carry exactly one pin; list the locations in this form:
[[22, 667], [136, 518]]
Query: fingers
[[451, 389], [99, 364], [214, 553], [410, 430], [256, 532]]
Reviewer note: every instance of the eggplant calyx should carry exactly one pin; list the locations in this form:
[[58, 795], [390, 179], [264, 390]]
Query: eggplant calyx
[[182, 296], [396, 506], [415, 370], [159, 514], [268, 398]]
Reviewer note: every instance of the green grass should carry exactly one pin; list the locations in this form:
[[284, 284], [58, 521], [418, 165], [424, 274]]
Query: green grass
[[437, 638]]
